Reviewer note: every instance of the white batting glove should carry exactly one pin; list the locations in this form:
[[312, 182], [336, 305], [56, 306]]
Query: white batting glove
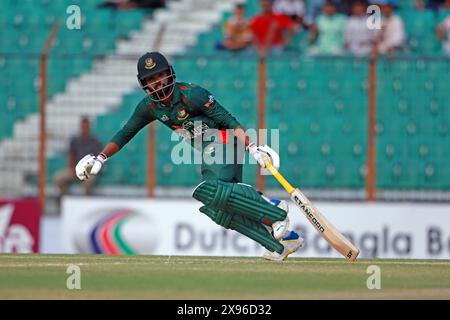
[[89, 165], [260, 153]]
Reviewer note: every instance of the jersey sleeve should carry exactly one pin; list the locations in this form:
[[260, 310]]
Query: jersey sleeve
[[201, 99], [140, 118]]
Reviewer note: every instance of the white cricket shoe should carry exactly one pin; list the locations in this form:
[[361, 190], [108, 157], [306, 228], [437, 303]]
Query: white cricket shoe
[[280, 229], [292, 242]]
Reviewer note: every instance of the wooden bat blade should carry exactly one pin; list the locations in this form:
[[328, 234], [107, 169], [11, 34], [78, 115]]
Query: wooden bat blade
[[324, 227]]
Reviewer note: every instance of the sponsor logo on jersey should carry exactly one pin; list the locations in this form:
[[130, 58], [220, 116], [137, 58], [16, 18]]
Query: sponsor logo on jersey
[[149, 64], [208, 105], [182, 114], [191, 130]]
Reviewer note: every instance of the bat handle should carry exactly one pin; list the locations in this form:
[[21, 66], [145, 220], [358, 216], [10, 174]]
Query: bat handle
[[286, 185]]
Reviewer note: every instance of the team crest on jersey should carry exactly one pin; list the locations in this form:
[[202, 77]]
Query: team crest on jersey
[[164, 118], [182, 114], [149, 63], [210, 102]]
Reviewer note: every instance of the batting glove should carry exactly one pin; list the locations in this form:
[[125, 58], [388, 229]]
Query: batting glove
[[263, 152], [89, 165]]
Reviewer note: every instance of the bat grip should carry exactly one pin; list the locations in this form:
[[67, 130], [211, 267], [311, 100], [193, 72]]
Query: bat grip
[[286, 185]]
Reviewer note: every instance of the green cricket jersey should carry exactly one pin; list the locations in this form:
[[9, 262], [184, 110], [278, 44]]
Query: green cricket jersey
[[193, 111]]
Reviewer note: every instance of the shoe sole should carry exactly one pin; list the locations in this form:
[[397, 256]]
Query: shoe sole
[[291, 251]]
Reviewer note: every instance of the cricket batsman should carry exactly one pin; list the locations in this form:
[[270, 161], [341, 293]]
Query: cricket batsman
[[194, 113]]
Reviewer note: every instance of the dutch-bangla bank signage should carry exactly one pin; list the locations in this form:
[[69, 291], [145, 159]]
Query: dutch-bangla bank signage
[[161, 227]]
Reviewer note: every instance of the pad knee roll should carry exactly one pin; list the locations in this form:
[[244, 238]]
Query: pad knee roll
[[238, 198]]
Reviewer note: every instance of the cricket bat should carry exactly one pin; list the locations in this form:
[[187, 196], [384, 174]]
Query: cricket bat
[[322, 225]]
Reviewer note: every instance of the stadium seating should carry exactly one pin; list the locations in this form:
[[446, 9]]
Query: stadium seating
[[25, 27], [412, 117], [322, 116]]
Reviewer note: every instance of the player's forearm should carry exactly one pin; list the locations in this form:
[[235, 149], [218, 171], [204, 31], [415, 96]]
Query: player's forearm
[[140, 118], [110, 149], [240, 134]]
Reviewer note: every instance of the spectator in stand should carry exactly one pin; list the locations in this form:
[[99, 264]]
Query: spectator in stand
[[327, 32], [392, 35], [131, 4], [430, 4], [314, 8], [394, 3], [313, 11], [443, 33], [358, 38], [237, 32], [80, 145], [272, 32], [346, 7], [295, 9], [446, 5]]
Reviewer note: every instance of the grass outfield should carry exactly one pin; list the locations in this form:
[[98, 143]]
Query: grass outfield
[[175, 277]]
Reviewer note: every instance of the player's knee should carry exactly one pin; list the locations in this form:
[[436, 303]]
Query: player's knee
[[212, 190], [237, 197]]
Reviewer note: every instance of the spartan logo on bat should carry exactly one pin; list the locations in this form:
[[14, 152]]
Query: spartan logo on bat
[[307, 209]]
